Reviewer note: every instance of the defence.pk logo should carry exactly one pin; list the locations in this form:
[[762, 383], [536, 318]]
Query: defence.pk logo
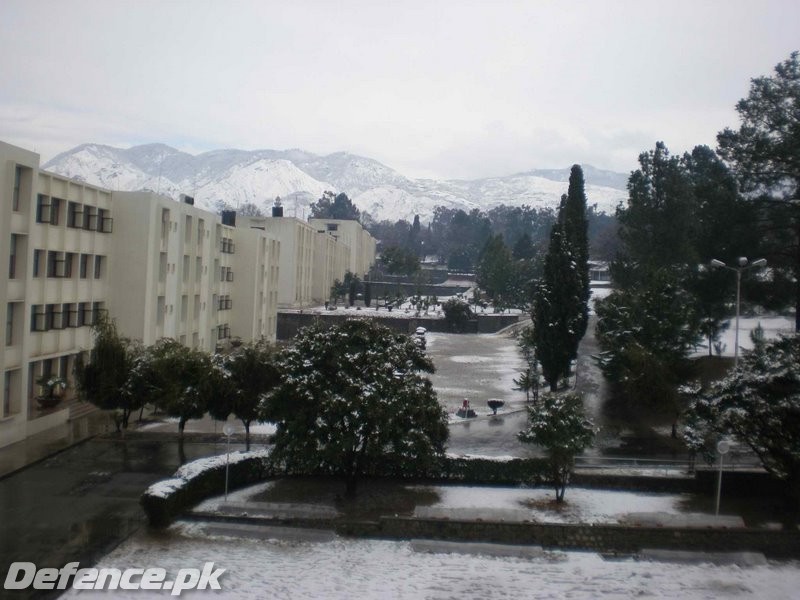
[[24, 575]]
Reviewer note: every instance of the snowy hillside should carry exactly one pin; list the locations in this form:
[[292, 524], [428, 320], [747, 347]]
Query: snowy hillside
[[298, 177]]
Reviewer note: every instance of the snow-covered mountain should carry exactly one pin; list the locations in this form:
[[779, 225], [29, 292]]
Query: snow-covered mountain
[[236, 177]]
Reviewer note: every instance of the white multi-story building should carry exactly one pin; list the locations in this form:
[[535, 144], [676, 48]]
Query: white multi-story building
[[159, 268], [56, 242], [314, 254], [361, 244], [296, 272]]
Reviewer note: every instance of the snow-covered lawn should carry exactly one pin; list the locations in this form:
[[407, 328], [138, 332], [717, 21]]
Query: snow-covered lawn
[[534, 504], [288, 568], [772, 326]]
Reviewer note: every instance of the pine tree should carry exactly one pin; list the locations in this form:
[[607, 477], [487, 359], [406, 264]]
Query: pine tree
[[576, 227], [558, 310], [495, 268], [765, 155]]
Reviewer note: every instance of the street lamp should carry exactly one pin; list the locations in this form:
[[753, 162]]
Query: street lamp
[[228, 429], [722, 449], [743, 266]]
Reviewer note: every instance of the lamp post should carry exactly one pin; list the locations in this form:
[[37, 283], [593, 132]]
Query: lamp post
[[743, 266], [228, 429], [722, 449]]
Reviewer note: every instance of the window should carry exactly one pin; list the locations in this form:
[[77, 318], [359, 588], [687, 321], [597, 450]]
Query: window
[[12, 258], [38, 318], [84, 315], [105, 224], [226, 274], [70, 315], [98, 267], [84, 266], [10, 324], [90, 218], [198, 268], [54, 318], [17, 184], [37, 262], [63, 367], [98, 310], [52, 259], [332, 226], [7, 392], [224, 303], [74, 215], [223, 332], [227, 246], [186, 264], [69, 259]]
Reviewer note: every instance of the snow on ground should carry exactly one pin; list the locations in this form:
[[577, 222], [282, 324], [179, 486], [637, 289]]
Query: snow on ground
[[290, 568], [773, 327], [581, 505]]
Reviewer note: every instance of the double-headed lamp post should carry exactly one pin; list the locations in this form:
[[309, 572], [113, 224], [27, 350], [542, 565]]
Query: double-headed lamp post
[[744, 264]]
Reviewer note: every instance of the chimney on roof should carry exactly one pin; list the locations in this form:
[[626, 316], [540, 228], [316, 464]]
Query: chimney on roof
[[277, 209], [187, 199], [229, 218]]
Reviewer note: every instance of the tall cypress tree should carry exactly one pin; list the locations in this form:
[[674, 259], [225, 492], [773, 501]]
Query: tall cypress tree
[[576, 226], [558, 310]]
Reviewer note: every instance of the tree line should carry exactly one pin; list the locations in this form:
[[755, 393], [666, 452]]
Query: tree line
[[348, 400]]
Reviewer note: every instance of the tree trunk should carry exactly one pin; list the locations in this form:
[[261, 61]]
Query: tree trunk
[[141, 413], [181, 425], [246, 435]]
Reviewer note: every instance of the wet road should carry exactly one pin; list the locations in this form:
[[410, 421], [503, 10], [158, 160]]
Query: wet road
[[79, 504]]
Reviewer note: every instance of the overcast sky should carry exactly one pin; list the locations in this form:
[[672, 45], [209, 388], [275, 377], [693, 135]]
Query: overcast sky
[[449, 89]]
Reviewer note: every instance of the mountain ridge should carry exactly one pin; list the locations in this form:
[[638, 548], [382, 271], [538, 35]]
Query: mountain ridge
[[234, 177]]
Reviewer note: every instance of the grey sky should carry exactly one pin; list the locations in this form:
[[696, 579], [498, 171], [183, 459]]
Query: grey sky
[[431, 88]]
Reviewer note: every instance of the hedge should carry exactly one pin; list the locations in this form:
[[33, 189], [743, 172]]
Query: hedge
[[203, 478]]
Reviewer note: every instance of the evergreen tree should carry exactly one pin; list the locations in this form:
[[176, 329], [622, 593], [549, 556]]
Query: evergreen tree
[[558, 425], [765, 155], [105, 380], [495, 268], [353, 401], [180, 380], [524, 248], [335, 206], [576, 232], [657, 226], [245, 376], [646, 335], [758, 404], [558, 310]]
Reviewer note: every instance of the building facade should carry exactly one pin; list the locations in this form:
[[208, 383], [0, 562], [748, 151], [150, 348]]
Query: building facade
[[361, 244], [160, 268], [57, 243]]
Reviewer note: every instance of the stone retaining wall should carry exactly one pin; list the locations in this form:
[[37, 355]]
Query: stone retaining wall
[[599, 538], [603, 538]]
